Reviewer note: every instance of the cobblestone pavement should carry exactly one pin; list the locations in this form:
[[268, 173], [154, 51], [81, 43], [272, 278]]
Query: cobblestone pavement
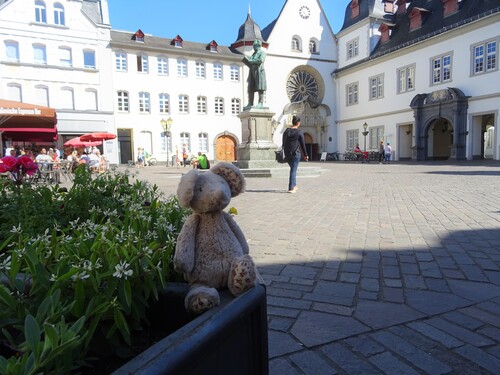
[[370, 269]]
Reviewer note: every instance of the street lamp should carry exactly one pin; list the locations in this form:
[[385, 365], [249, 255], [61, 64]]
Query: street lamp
[[365, 133], [166, 125]]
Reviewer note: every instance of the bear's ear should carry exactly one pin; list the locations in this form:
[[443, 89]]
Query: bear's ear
[[185, 190], [232, 175]]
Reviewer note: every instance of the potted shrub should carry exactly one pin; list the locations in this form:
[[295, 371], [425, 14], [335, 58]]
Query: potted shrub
[[82, 271]]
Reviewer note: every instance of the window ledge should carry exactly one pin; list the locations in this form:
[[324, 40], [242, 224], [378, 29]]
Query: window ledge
[[61, 27]]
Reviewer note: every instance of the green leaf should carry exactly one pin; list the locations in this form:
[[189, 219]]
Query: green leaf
[[31, 332], [78, 325], [122, 325], [79, 299]]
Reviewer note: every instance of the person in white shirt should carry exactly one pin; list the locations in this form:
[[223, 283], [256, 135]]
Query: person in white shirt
[[388, 152]]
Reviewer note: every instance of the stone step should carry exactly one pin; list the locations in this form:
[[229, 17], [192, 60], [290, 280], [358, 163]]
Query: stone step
[[282, 172]]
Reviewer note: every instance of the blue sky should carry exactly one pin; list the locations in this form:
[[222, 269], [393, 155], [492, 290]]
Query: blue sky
[[201, 20]]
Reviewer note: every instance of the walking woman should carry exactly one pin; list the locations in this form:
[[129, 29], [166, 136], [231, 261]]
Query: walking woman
[[293, 144]]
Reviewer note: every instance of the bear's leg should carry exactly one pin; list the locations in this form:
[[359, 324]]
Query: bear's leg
[[242, 275], [201, 298]]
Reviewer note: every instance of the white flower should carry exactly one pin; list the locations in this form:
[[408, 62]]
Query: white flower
[[122, 271], [53, 277], [5, 264], [16, 229], [87, 265]]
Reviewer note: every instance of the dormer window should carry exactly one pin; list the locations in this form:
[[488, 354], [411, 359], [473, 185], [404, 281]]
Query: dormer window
[[401, 6], [177, 41], [385, 33], [416, 18], [450, 7], [213, 46], [354, 8], [138, 36]]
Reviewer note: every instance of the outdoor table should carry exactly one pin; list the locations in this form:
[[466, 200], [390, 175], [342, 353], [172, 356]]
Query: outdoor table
[[49, 172]]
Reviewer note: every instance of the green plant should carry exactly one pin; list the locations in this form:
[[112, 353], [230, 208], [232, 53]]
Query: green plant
[[80, 267]]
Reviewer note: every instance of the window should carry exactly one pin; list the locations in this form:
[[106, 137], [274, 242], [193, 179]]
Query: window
[[376, 135], [441, 69], [183, 104], [89, 59], [166, 142], [352, 139], [235, 73], [41, 95], [201, 104], [200, 69], [352, 48], [39, 54], [40, 12], [377, 87], [218, 71], [67, 99], [122, 101], [235, 106], [65, 58], [142, 63], [406, 79], [164, 101], [91, 100], [144, 102], [182, 68], [295, 44], [12, 50], [59, 14], [14, 92], [203, 142], [121, 61], [313, 46], [485, 57], [219, 106], [352, 93], [185, 140], [162, 65]]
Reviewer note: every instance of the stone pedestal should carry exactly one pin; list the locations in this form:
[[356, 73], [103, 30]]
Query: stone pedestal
[[257, 148]]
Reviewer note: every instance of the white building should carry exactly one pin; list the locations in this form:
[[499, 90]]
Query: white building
[[420, 74], [55, 53]]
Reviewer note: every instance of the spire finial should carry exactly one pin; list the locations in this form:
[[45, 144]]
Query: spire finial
[[249, 11]]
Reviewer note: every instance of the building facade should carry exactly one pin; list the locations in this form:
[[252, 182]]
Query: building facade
[[417, 72], [56, 54]]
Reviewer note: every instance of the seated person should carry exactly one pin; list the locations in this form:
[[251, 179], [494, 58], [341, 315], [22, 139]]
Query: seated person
[[94, 161], [42, 157], [202, 161], [357, 151]]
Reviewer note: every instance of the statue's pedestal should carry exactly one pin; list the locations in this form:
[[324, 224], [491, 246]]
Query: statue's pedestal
[[257, 149]]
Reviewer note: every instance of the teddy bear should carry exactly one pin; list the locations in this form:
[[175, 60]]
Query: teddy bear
[[211, 251]]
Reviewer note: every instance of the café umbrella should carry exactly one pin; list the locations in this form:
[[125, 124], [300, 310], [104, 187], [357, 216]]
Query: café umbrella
[[77, 143], [93, 137]]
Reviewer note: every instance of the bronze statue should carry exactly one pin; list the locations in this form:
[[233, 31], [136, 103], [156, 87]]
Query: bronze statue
[[257, 75]]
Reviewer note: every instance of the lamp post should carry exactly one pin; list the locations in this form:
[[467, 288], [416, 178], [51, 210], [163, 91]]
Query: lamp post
[[166, 125], [365, 133]]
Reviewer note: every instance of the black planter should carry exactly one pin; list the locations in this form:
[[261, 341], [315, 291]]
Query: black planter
[[229, 339]]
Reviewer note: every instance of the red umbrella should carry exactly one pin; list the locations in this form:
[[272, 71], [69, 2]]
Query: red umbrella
[[93, 137], [77, 142]]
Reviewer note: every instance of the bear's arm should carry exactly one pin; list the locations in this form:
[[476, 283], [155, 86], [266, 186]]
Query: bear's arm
[[185, 247], [237, 232]]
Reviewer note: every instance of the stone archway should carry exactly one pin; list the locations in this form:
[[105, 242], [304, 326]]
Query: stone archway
[[447, 105]]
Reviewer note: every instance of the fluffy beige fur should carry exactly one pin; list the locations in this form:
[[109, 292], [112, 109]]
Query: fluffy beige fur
[[211, 250]]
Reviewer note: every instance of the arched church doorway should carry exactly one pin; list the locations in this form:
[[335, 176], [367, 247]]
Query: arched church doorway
[[440, 139], [225, 148], [311, 147]]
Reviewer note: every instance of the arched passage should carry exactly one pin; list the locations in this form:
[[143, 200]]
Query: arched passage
[[445, 110]]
